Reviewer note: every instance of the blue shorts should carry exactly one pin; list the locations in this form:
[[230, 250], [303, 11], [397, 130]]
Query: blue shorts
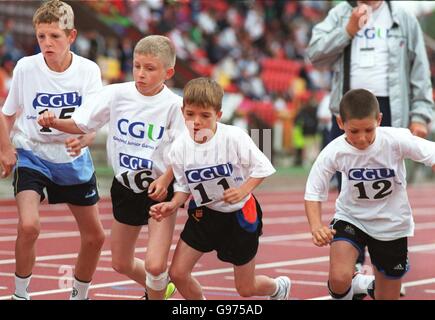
[[85, 194]]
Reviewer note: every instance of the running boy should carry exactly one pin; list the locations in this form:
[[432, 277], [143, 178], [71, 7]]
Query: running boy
[[220, 166], [372, 209], [60, 81], [144, 116]]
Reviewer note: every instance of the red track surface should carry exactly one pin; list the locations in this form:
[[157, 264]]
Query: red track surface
[[285, 249]]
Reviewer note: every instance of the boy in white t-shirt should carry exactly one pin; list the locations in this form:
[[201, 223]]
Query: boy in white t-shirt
[[144, 116], [60, 81], [372, 209], [220, 166]]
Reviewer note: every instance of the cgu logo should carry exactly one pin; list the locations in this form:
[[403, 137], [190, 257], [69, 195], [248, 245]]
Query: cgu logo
[[60, 100], [134, 163], [362, 174], [137, 129], [210, 173]]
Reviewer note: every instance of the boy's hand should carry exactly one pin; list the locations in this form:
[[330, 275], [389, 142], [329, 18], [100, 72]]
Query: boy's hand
[[73, 146], [323, 236], [234, 195], [162, 210], [158, 190], [47, 119], [8, 158]]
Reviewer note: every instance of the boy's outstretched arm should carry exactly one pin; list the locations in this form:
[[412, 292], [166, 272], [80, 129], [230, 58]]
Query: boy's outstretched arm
[[162, 210], [234, 195], [322, 235], [48, 119]]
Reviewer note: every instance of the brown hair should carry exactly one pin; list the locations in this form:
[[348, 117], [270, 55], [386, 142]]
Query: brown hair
[[358, 104], [204, 92], [55, 11]]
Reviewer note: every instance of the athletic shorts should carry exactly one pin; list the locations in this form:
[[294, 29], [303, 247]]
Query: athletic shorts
[[234, 235], [389, 257], [133, 208], [85, 194]]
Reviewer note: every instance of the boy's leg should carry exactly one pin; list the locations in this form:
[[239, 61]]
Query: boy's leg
[[123, 240], [387, 289], [27, 233], [185, 258], [249, 285], [91, 241], [341, 269], [156, 258]]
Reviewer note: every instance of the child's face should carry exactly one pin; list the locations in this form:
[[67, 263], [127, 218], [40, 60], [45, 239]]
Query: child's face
[[149, 74], [54, 42], [360, 133], [201, 122]]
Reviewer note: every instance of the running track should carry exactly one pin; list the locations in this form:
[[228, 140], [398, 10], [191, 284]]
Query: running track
[[285, 249]]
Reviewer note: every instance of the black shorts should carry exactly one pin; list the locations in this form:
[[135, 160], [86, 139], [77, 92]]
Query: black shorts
[[234, 235], [132, 208], [389, 257], [85, 194]]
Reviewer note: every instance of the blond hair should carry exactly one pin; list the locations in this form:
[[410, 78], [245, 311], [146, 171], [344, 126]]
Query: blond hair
[[157, 46], [55, 11], [203, 92]]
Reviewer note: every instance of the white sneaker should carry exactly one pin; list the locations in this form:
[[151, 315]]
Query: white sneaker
[[16, 297], [360, 285], [284, 286]]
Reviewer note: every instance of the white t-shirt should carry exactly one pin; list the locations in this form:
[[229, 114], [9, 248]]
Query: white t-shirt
[[369, 54], [373, 195], [36, 88], [227, 160], [141, 129]]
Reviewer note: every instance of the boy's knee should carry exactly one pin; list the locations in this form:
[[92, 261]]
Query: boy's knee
[[122, 266], [28, 232], [94, 241], [245, 291], [155, 268], [177, 275], [340, 282]]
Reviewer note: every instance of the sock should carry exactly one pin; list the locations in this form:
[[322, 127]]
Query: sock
[[348, 295], [80, 290], [22, 285], [361, 282]]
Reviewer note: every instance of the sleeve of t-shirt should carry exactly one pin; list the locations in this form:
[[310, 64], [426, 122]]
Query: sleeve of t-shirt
[[176, 160], [259, 165], [14, 101], [415, 148], [176, 126], [94, 113], [321, 172]]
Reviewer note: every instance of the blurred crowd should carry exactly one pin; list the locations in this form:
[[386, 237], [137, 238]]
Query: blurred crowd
[[252, 48]]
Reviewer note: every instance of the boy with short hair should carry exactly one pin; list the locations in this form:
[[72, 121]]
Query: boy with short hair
[[144, 116], [220, 166], [58, 80], [372, 208]]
